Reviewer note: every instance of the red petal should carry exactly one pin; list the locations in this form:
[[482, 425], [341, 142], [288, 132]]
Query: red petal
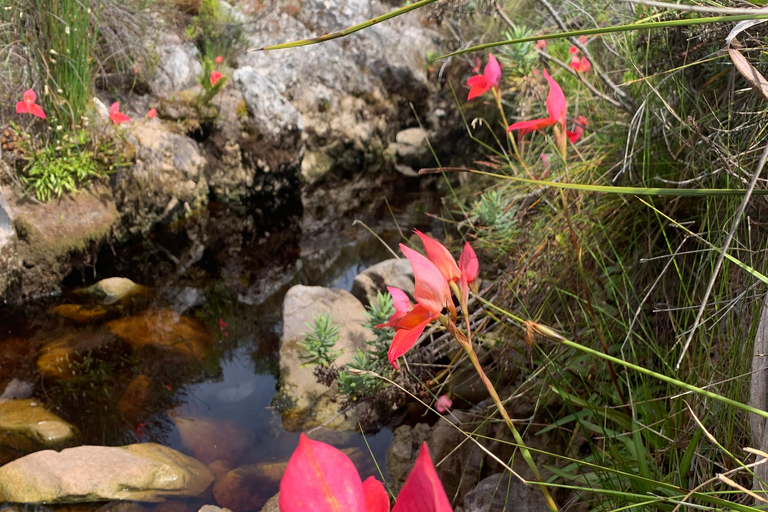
[[529, 126], [556, 105], [404, 340], [468, 263], [399, 299], [152, 113], [29, 96], [416, 316], [431, 290], [573, 50], [37, 110], [376, 497], [114, 108], [440, 256], [492, 70], [422, 491], [320, 478], [22, 108], [119, 117]]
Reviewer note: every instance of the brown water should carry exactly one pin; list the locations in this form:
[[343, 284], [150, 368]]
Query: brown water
[[215, 286]]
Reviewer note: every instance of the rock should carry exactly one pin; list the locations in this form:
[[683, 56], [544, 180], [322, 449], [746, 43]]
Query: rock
[[184, 298], [114, 289], [249, 487], [394, 272], [167, 178], [172, 506], [25, 425], [9, 259], [209, 440], [213, 508], [271, 505], [504, 492], [411, 149], [414, 137], [58, 358], [17, 389], [406, 441], [313, 405], [134, 398], [139, 472], [82, 314], [120, 506], [220, 468], [166, 331], [178, 66]]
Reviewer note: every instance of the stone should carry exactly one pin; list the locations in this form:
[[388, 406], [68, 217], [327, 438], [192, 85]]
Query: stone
[[272, 504], [213, 508], [406, 441], [81, 314], [9, 259], [504, 492], [139, 472], [313, 404], [178, 66], [114, 289], [164, 330], [26, 426], [212, 440], [248, 487], [172, 506], [393, 272], [134, 399], [60, 357], [414, 137], [121, 506], [17, 389]]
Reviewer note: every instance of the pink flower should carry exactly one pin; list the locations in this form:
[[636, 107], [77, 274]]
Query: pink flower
[[219, 59], [440, 256], [28, 105], [556, 108], [116, 116], [470, 268], [478, 63], [222, 324], [573, 50], [578, 131], [215, 77], [152, 113], [402, 306], [580, 65], [540, 44], [320, 478], [583, 39], [480, 84], [443, 403]]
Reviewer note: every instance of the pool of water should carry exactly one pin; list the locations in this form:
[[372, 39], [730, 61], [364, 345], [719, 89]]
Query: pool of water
[[220, 279]]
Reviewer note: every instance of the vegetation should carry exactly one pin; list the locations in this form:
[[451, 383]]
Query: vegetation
[[319, 342]]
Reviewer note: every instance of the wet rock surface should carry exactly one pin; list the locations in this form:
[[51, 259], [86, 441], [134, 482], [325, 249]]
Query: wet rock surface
[[111, 290], [26, 426], [210, 440]]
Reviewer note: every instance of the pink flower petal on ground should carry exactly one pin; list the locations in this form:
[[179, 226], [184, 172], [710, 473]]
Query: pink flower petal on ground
[[556, 104], [440, 256], [320, 478], [492, 71], [376, 497], [443, 403], [431, 288], [422, 491]]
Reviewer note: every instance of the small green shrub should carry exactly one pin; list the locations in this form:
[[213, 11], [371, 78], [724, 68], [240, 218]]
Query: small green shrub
[[215, 31], [319, 342], [355, 385]]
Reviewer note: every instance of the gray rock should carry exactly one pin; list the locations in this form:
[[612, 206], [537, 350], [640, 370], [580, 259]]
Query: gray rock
[[272, 115], [17, 389], [26, 425], [394, 272], [271, 505], [140, 472], [213, 508], [113, 289], [9, 259], [178, 66], [504, 492], [313, 404]]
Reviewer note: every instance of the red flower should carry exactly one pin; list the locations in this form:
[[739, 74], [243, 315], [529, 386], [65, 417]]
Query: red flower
[[478, 63], [580, 65], [320, 478], [573, 50], [540, 44], [556, 108], [152, 113], [116, 116], [583, 39], [28, 105], [222, 324], [215, 77], [438, 254], [402, 306], [480, 84], [219, 59], [575, 135], [470, 268]]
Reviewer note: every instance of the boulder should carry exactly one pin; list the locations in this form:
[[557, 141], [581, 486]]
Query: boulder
[[411, 150], [212, 440], [25, 425], [166, 331], [140, 472], [313, 402], [394, 272], [272, 505], [134, 399], [108, 291], [178, 66], [248, 488], [213, 508], [81, 314], [504, 492], [59, 358], [9, 258]]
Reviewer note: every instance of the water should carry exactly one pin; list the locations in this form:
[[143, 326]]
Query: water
[[222, 277]]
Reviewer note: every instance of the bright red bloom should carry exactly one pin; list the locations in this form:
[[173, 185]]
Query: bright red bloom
[[215, 77], [431, 289], [573, 50], [28, 105], [540, 44], [443, 403], [152, 113], [219, 59], [402, 306], [222, 324], [116, 116], [480, 84], [320, 478], [580, 65], [556, 108], [470, 268], [440, 256], [408, 331], [578, 131]]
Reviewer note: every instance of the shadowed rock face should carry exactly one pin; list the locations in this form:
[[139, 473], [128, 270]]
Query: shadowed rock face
[[142, 472]]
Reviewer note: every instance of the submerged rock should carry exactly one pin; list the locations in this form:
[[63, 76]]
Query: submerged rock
[[209, 440], [58, 359], [504, 492], [81, 314], [248, 488], [165, 330], [393, 272], [134, 398], [313, 402], [139, 472], [25, 425], [111, 290]]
